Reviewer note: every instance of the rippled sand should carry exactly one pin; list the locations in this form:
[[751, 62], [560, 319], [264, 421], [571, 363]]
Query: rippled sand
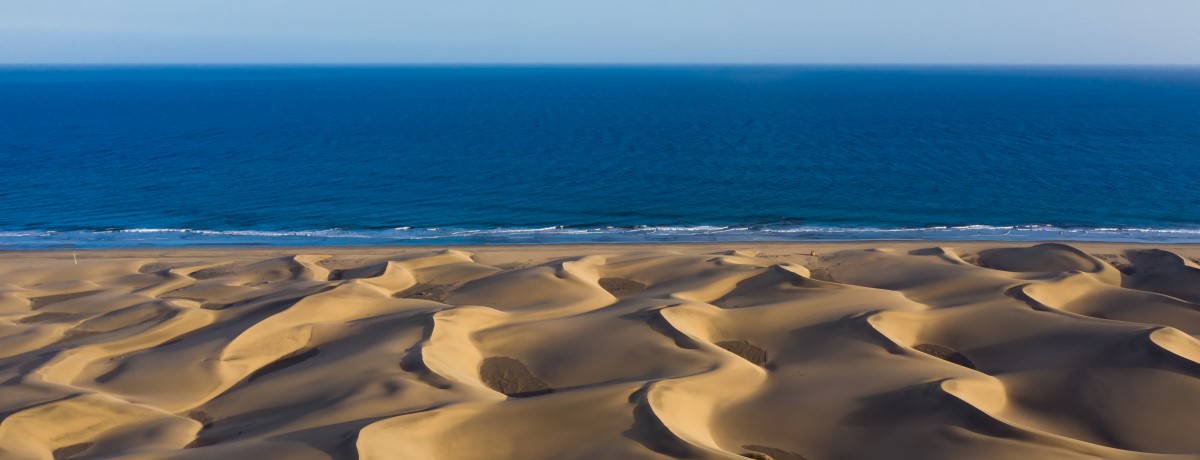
[[783, 351]]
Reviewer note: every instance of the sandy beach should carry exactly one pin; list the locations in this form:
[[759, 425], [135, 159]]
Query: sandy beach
[[895, 350]]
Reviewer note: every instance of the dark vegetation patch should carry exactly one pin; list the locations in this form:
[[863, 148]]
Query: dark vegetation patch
[[277, 303], [203, 303], [821, 274], [78, 333], [158, 267], [946, 354], [70, 451], [927, 252], [205, 420], [288, 360], [621, 287], [426, 291], [39, 302], [748, 352], [154, 268], [511, 377], [770, 453], [214, 272], [48, 317]]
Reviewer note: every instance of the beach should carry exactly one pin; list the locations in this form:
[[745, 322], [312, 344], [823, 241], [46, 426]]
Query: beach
[[871, 349]]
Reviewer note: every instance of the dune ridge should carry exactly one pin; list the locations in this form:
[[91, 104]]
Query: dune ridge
[[784, 351]]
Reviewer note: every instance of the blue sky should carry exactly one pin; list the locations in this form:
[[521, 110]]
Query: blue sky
[[610, 31]]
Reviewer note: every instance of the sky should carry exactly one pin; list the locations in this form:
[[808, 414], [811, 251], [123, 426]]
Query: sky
[[608, 31]]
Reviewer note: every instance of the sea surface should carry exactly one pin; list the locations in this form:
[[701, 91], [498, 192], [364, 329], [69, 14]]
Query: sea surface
[[227, 156]]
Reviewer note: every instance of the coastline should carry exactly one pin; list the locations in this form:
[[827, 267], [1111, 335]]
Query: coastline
[[562, 248], [641, 234]]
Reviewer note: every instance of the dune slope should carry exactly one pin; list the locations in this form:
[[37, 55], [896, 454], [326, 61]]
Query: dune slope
[[690, 351]]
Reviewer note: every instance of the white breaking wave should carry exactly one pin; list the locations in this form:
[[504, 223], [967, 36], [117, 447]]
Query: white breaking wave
[[327, 233], [172, 237]]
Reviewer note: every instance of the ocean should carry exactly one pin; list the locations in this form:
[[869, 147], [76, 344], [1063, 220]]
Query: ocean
[[229, 156]]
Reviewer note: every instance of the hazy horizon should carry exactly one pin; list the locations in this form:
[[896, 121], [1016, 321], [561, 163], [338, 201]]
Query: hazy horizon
[[622, 32], [554, 65]]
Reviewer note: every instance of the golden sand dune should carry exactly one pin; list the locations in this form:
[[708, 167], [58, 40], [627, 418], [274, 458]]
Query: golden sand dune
[[788, 351]]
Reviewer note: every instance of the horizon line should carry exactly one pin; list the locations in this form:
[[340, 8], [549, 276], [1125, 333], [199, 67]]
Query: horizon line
[[582, 64]]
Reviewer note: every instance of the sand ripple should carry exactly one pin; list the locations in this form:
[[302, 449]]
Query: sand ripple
[[1047, 351]]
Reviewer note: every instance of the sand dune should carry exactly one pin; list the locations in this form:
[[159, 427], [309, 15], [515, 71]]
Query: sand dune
[[781, 351]]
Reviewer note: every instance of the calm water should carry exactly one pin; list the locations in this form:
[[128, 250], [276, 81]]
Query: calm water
[[97, 157]]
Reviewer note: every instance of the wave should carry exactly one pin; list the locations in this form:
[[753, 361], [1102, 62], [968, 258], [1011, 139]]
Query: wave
[[184, 237]]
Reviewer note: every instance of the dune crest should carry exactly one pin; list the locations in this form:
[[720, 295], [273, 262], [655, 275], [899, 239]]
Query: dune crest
[[787, 351]]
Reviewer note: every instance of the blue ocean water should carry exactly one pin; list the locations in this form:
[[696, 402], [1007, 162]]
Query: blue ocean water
[[184, 156]]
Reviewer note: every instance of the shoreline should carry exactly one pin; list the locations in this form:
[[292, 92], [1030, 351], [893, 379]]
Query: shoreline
[[642, 234], [607, 247]]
